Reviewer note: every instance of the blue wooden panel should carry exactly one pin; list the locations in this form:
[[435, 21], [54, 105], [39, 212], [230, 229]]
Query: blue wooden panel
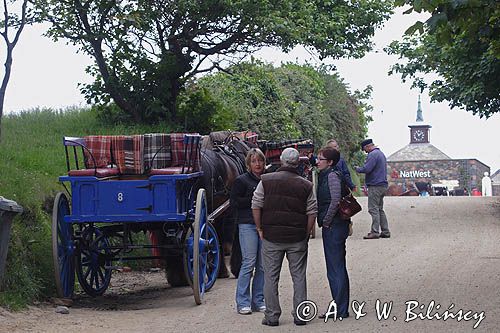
[[158, 198], [125, 197], [87, 192]]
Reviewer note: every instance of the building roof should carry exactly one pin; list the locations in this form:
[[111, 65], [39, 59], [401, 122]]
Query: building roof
[[418, 152], [496, 177]]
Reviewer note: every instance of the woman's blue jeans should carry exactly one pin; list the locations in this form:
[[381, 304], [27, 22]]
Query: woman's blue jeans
[[251, 261], [334, 246]]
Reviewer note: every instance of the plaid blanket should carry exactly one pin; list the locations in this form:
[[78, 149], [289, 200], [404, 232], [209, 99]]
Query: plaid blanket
[[194, 143], [177, 144], [180, 149], [157, 144], [272, 150], [294, 143], [99, 146], [128, 153]]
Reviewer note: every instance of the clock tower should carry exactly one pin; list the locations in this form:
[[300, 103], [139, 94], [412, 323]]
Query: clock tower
[[419, 132]]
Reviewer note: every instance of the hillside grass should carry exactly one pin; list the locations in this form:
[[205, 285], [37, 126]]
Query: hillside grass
[[31, 160]]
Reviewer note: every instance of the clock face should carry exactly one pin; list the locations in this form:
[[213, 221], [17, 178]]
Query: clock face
[[419, 135]]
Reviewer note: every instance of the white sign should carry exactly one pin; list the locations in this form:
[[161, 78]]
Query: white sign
[[415, 174]]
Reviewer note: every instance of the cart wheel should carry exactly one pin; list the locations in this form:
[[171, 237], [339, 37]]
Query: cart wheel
[[197, 249], [63, 247], [93, 261], [213, 257]]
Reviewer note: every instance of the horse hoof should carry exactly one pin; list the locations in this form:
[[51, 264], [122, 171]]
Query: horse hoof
[[223, 273], [227, 249]]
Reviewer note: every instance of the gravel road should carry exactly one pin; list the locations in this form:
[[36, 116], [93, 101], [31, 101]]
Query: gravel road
[[443, 251]]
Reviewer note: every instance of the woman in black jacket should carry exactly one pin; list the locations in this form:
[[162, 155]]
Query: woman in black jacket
[[331, 188], [241, 200]]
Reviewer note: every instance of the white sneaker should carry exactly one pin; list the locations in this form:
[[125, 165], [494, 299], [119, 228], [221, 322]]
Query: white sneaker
[[262, 308], [245, 310]]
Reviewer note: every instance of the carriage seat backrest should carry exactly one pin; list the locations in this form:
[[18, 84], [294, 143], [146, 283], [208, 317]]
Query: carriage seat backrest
[[154, 153], [98, 152], [157, 151], [185, 152], [128, 153], [96, 156]]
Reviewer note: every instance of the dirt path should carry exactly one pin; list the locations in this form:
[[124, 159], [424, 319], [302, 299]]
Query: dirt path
[[443, 249]]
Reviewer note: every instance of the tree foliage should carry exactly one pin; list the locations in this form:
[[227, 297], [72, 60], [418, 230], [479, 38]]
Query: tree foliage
[[291, 101], [461, 43], [145, 51]]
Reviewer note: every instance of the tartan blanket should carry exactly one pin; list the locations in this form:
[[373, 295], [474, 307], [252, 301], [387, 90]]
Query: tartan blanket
[[128, 153], [100, 148], [180, 149], [177, 144], [294, 143], [157, 144], [194, 152], [273, 149]]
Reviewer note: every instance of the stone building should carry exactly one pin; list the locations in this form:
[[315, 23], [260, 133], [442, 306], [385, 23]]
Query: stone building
[[420, 162]]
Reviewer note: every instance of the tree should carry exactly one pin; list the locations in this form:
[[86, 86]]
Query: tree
[[461, 43], [145, 51], [291, 101], [10, 20]]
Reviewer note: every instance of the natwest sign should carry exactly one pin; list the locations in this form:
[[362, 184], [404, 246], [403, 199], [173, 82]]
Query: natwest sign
[[415, 174]]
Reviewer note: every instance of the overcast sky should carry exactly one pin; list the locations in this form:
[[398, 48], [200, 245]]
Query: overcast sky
[[45, 73]]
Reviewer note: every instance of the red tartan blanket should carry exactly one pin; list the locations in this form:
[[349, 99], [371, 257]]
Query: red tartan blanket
[[128, 153], [272, 150], [180, 149], [99, 146]]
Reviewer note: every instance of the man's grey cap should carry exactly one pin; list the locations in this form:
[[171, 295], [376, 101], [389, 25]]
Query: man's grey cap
[[290, 156]]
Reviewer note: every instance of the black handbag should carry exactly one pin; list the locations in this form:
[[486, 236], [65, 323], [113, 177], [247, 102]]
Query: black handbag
[[348, 206]]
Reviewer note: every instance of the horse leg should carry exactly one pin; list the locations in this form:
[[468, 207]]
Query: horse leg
[[174, 264], [228, 234], [219, 227]]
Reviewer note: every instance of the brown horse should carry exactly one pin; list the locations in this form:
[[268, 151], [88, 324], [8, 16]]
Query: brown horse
[[222, 160], [221, 165]]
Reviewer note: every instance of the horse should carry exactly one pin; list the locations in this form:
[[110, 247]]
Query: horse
[[222, 160], [221, 166]]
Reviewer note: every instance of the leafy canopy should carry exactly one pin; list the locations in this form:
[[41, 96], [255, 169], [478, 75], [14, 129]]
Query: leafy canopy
[[145, 51], [291, 101], [461, 43]]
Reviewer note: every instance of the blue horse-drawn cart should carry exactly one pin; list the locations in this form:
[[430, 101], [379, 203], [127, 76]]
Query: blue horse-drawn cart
[[130, 184]]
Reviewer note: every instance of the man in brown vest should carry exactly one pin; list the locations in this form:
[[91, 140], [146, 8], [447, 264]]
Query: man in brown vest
[[284, 210]]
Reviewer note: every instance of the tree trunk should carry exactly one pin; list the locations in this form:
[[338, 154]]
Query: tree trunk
[[112, 87], [5, 81]]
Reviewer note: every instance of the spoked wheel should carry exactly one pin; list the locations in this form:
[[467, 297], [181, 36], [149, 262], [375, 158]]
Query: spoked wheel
[[63, 247], [93, 261], [213, 257], [201, 253]]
